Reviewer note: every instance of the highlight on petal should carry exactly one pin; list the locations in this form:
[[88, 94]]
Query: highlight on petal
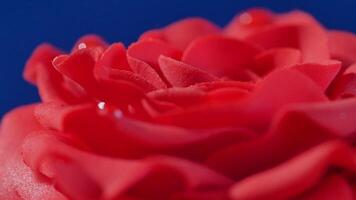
[[296, 175], [180, 74], [221, 56]]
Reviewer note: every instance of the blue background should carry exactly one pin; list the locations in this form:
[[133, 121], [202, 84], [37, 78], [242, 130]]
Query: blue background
[[24, 24]]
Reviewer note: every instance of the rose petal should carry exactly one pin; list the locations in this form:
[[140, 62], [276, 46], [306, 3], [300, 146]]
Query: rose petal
[[42, 55], [17, 180], [341, 45], [114, 57], [51, 85], [272, 59], [332, 187], [179, 74], [147, 72], [293, 130], [296, 175], [311, 40], [149, 51], [152, 35], [220, 55], [344, 87], [81, 175], [256, 110], [105, 73], [249, 21], [211, 86], [322, 73], [135, 138], [79, 67], [181, 33]]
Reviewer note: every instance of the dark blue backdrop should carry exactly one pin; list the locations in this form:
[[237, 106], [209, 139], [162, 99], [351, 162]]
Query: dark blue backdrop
[[26, 23]]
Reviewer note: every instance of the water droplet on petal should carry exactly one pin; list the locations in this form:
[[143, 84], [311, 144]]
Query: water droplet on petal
[[245, 18], [255, 17], [118, 114], [101, 105], [82, 46]]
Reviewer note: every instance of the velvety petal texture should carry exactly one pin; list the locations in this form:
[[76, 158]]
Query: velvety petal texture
[[261, 109]]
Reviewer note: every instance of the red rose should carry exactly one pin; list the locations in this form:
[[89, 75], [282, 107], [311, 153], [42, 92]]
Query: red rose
[[264, 108]]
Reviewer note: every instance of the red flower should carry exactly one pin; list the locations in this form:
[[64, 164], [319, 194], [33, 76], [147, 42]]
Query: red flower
[[264, 108]]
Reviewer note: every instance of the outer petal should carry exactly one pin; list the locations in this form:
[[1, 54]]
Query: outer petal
[[51, 85], [79, 67], [82, 175], [294, 130], [296, 175], [17, 180]]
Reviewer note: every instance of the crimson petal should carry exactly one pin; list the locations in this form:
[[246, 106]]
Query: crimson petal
[[296, 175], [272, 59], [221, 56], [114, 57], [179, 74], [310, 39], [81, 175]]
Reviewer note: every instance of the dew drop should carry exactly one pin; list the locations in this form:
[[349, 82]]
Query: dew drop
[[118, 114], [82, 46], [245, 18], [101, 105]]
